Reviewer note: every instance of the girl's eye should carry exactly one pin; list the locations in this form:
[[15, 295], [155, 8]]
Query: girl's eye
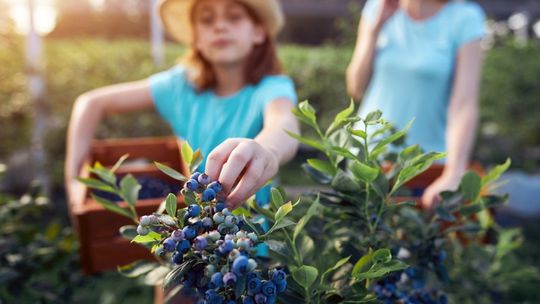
[[235, 15], [205, 18]]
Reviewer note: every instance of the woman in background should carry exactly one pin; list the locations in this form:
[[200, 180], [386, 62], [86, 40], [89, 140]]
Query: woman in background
[[422, 59]]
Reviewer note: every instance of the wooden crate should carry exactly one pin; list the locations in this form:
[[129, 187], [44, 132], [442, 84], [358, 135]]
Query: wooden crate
[[101, 245]]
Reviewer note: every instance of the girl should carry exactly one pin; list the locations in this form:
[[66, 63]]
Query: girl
[[227, 97], [422, 59]]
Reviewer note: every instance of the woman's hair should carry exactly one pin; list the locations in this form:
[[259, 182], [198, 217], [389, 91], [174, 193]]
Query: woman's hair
[[262, 61]]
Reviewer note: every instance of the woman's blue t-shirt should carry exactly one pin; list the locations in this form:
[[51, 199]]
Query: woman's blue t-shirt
[[414, 68]]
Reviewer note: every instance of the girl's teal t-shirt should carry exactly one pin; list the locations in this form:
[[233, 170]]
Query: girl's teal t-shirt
[[206, 120], [414, 68]]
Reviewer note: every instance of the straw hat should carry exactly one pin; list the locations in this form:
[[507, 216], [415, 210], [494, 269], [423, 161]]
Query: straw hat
[[175, 16]]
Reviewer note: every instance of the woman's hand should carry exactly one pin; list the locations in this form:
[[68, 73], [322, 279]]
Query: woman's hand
[[386, 10], [242, 166], [432, 197]]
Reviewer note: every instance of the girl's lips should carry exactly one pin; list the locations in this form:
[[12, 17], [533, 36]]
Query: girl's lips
[[222, 42]]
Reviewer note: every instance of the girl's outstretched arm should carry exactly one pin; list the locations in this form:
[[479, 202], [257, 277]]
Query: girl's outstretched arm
[[244, 165]]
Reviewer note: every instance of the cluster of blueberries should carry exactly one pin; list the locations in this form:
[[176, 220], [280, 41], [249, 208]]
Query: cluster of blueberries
[[151, 187], [226, 270], [396, 288]]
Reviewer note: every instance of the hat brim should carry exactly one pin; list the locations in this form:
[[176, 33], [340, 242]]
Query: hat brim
[[175, 17]]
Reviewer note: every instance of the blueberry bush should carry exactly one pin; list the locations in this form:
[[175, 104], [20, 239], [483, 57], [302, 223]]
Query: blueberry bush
[[361, 240]]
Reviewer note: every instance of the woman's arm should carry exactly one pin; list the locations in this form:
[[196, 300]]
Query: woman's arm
[[360, 68], [462, 121], [244, 165], [88, 111]]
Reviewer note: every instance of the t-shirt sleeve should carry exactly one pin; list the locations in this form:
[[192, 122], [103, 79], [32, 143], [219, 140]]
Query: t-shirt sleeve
[[470, 25], [370, 10], [164, 87], [276, 87]]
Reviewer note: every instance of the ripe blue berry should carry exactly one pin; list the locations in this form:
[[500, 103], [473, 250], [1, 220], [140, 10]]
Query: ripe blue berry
[[229, 279], [231, 220], [177, 235], [189, 233], [200, 243], [183, 246], [208, 195], [177, 258], [220, 206], [268, 288], [169, 244], [281, 286], [191, 185], [278, 275], [217, 280], [216, 186], [260, 298], [248, 300], [194, 210], [218, 218], [203, 179], [254, 286], [207, 223], [226, 247], [195, 175]]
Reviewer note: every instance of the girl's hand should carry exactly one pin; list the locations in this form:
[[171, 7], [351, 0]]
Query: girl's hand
[[387, 8], [242, 166], [431, 197]]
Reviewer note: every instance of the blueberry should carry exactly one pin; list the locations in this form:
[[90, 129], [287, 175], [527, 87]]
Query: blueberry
[[240, 265], [218, 218], [278, 275], [169, 244], [189, 233], [281, 286], [195, 175], [177, 258], [252, 236], [203, 179], [141, 230], [260, 298], [209, 270], [244, 243], [220, 206], [214, 235], [226, 211], [248, 300], [216, 186], [268, 288], [254, 286], [213, 259], [222, 228], [226, 247], [191, 185], [230, 220], [207, 223], [177, 235], [208, 195], [194, 210], [216, 280], [200, 243], [271, 300], [229, 279], [212, 297], [183, 246]]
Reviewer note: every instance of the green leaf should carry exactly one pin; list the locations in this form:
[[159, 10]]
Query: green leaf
[[472, 208], [155, 277], [129, 232], [175, 276], [187, 152], [305, 275], [119, 162], [255, 206], [364, 172], [307, 141], [171, 204], [283, 211], [443, 214], [420, 164], [409, 153], [196, 161], [170, 171], [96, 184], [340, 119], [338, 264], [363, 264], [279, 225], [151, 237], [372, 117], [103, 173], [382, 255], [379, 270], [345, 183], [496, 172], [392, 138], [241, 211], [189, 197], [321, 165], [136, 269], [129, 188], [277, 199], [316, 175], [471, 185], [250, 224], [343, 152], [111, 206], [359, 133], [304, 246], [305, 219]]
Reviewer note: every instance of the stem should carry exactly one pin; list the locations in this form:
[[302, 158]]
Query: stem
[[297, 257], [366, 206]]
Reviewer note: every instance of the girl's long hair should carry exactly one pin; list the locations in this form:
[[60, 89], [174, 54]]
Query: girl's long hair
[[262, 61]]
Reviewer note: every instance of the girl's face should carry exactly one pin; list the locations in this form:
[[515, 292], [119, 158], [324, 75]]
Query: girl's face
[[224, 31]]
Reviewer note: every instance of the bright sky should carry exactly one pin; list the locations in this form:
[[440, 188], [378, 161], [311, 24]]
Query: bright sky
[[44, 18]]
